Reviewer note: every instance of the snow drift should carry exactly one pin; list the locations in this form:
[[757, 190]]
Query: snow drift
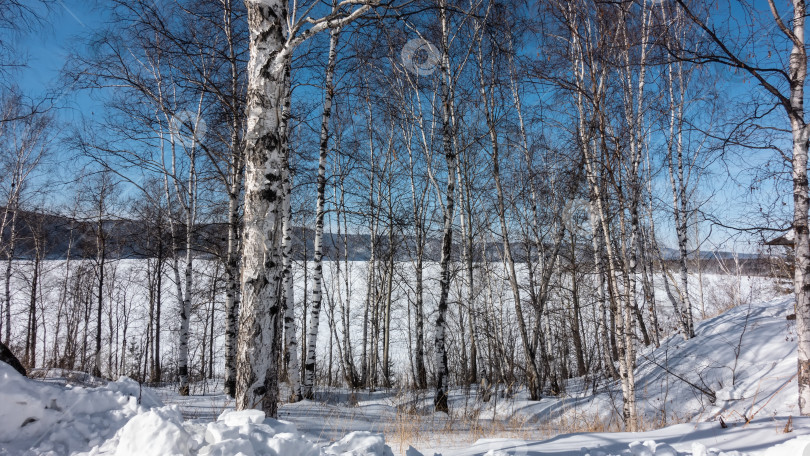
[[123, 419]]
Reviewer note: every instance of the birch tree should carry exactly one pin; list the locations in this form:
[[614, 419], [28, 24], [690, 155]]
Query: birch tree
[[784, 81], [487, 84], [229, 92], [676, 90], [273, 38], [610, 161], [25, 138], [167, 80], [447, 109], [419, 202], [101, 195], [317, 277], [288, 297]]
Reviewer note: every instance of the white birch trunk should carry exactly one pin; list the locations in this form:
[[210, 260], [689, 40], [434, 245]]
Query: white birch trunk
[[288, 298], [623, 317], [317, 276], [257, 353], [533, 373], [793, 103], [236, 175], [232, 290], [678, 184], [447, 105], [801, 203], [10, 249], [418, 202], [289, 295], [271, 46], [351, 372], [188, 200], [185, 311]]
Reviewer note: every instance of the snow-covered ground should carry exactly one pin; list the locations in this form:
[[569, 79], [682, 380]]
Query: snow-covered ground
[[123, 419], [730, 389]]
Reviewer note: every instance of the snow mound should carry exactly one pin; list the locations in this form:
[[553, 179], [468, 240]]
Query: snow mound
[[250, 433], [162, 431], [800, 446], [652, 448], [360, 443], [38, 418], [154, 433], [129, 387], [741, 364]]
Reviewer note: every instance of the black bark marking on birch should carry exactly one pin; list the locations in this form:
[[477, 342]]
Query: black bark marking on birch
[[257, 283], [268, 194]]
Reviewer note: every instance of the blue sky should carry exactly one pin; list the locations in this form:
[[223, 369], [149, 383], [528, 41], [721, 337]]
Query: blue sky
[[48, 48]]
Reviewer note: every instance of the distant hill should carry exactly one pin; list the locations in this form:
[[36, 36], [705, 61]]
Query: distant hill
[[672, 254], [127, 238], [60, 236]]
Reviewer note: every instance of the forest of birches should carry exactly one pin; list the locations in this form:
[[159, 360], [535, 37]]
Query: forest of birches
[[474, 192]]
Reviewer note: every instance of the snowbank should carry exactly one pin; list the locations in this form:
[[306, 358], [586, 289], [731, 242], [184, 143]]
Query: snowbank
[[37, 418], [360, 443]]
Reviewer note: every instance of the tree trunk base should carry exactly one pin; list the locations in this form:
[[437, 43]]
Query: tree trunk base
[[440, 402], [230, 388]]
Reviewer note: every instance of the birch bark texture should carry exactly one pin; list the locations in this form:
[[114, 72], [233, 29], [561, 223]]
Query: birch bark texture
[[272, 39], [234, 184], [256, 376], [447, 105]]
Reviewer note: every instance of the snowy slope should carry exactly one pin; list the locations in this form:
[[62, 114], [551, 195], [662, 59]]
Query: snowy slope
[[50, 418], [740, 364], [740, 368]]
